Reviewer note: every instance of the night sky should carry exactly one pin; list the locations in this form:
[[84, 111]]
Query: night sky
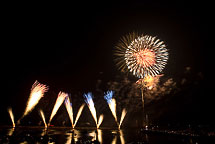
[[71, 50]]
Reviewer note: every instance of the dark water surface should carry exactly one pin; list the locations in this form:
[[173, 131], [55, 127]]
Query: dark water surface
[[65, 135]]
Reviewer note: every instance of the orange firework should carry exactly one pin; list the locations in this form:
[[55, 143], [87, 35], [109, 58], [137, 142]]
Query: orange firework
[[149, 82], [145, 57]]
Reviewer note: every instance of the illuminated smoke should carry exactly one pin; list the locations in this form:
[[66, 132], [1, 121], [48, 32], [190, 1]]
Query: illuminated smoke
[[149, 82]]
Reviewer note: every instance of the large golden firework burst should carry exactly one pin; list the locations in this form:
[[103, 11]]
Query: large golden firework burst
[[142, 55]]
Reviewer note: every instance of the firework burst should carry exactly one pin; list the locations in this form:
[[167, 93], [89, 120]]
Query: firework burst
[[141, 55]]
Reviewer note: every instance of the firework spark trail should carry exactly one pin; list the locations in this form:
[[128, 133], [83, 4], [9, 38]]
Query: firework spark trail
[[69, 109], [79, 114], [122, 117], [37, 92], [59, 101], [111, 103], [141, 55], [11, 116], [101, 117], [89, 101], [43, 118]]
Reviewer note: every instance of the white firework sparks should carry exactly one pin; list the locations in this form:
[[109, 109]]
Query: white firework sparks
[[142, 55]]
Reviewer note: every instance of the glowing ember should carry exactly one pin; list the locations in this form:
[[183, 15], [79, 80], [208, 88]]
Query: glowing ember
[[11, 116], [10, 131], [59, 101], [69, 109], [90, 104], [43, 118]]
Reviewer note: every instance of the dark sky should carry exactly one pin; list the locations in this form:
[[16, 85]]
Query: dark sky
[[71, 49]]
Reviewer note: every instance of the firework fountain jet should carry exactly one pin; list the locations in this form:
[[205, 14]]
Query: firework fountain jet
[[11, 116], [37, 92], [112, 105], [79, 114], [59, 101], [90, 104], [122, 117], [70, 111], [43, 117]]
